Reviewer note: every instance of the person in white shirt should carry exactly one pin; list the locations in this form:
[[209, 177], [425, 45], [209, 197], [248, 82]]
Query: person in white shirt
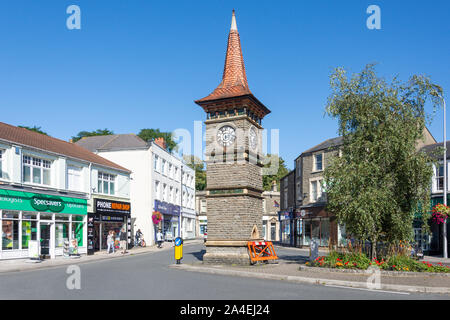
[[159, 238]]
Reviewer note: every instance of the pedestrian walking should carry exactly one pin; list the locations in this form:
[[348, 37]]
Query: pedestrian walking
[[123, 240], [159, 238], [110, 241]]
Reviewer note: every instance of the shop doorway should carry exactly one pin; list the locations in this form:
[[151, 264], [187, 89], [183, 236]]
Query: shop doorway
[[46, 240], [273, 231]]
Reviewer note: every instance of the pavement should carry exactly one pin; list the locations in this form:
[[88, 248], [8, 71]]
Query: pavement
[[16, 265], [289, 268]]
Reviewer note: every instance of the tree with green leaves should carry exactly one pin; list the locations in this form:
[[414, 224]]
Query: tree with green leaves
[[151, 134], [200, 173], [98, 132], [35, 129], [380, 179], [276, 162]]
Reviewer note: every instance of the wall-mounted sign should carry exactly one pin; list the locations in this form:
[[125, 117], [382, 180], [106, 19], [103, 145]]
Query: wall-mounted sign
[[28, 201], [167, 208], [47, 203], [110, 207]]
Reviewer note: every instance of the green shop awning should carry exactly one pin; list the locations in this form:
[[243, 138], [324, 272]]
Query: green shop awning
[[28, 201]]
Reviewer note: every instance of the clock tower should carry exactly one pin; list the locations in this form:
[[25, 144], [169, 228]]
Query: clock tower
[[233, 161]]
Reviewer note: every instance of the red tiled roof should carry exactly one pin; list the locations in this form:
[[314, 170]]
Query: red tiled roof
[[234, 80], [36, 140]]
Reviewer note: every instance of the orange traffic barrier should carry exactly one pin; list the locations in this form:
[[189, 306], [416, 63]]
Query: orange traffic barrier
[[261, 251]]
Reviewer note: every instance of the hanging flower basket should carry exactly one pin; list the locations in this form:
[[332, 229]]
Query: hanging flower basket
[[156, 217], [440, 213]]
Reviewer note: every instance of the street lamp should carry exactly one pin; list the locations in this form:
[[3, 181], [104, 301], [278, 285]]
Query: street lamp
[[444, 233]]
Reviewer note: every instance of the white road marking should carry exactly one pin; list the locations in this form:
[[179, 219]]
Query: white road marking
[[372, 290]]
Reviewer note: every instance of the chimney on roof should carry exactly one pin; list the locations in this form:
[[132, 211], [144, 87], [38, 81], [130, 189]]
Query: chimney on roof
[[161, 142]]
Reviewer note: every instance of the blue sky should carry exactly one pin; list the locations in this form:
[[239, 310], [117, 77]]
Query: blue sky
[[141, 64]]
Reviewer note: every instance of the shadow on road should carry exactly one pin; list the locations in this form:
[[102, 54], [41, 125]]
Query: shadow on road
[[198, 254]]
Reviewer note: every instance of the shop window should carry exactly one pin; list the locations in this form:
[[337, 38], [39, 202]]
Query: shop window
[[106, 183], [324, 232], [77, 229], [36, 170], [61, 233], [45, 216], [307, 232], [29, 232], [10, 230]]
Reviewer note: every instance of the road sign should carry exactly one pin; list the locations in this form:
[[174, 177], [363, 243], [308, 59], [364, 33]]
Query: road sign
[[178, 249]]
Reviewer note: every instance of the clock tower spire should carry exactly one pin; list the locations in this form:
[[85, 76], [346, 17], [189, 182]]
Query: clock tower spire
[[233, 159]]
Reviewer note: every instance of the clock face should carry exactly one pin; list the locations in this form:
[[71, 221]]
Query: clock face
[[226, 136], [253, 138]]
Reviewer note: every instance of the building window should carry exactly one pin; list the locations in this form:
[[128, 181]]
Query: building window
[[176, 174], [285, 198], [318, 165], [155, 163], [74, 178], [171, 196], [163, 167], [170, 170], [1, 164], [316, 190], [106, 183], [156, 189], [164, 192], [439, 176], [36, 170]]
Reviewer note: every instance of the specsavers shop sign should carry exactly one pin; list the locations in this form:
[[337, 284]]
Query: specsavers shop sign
[[27, 201]]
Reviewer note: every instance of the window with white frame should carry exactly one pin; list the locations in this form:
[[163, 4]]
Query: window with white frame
[[157, 195], [171, 195], [155, 163], [164, 192], [74, 178], [170, 170], [1, 163], [106, 183], [439, 177], [318, 162], [36, 170], [316, 190], [175, 175], [176, 195], [163, 167]]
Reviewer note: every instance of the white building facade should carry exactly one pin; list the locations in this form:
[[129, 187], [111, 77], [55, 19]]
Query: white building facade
[[160, 182], [46, 191]]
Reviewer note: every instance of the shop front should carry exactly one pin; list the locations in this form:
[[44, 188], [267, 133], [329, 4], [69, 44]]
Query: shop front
[[314, 223], [202, 225], [188, 225], [42, 221], [286, 227], [171, 219], [109, 216]]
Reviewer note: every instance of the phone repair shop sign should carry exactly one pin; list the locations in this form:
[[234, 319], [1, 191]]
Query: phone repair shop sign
[[104, 206]]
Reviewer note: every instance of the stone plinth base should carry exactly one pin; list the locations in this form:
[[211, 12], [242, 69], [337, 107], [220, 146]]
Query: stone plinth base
[[226, 255]]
